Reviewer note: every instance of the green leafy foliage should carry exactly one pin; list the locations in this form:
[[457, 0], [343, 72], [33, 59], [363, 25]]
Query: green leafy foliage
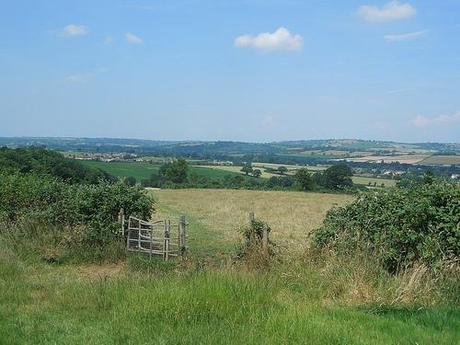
[[252, 246], [303, 180], [46, 162], [47, 200], [256, 173], [130, 181], [174, 172], [247, 169], [335, 177], [401, 227]]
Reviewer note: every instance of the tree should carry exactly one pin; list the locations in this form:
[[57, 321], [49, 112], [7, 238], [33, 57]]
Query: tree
[[247, 169], [282, 170], [256, 173], [304, 180], [175, 172], [130, 181], [337, 177]]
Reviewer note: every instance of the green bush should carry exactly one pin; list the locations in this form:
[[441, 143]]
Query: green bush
[[398, 226], [46, 200]]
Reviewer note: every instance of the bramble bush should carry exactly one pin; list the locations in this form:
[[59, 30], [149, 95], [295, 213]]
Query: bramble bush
[[49, 201], [400, 227]]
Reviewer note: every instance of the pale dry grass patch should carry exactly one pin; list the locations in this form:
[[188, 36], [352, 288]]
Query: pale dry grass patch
[[291, 215]]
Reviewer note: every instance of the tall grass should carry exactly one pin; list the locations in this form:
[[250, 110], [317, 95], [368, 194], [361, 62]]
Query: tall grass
[[40, 305], [314, 298]]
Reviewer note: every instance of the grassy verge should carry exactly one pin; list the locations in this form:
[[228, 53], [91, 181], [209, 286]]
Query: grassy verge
[[43, 304]]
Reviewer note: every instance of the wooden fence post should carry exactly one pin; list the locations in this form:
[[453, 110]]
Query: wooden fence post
[[165, 230], [121, 220], [182, 235], [167, 238], [139, 234], [151, 242], [265, 239], [128, 238]]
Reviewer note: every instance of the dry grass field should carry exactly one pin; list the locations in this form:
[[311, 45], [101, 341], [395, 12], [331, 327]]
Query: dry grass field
[[407, 159], [365, 181], [441, 160], [216, 215]]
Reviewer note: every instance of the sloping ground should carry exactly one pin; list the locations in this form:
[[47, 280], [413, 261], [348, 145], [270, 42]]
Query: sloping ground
[[42, 304], [441, 160], [152, 302], [217, 215], [407, 159]]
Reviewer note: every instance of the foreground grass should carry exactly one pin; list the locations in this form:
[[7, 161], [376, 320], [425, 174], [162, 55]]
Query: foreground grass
[[299, 300], [43, 304]]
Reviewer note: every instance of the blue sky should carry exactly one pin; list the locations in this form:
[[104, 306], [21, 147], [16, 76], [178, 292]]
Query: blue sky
[[251, 70]]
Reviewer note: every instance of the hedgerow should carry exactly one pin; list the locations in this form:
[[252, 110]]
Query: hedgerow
[[400, 227], [47, 200]]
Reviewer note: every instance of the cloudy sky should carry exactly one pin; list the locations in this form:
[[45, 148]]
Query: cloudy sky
[[252, 70]]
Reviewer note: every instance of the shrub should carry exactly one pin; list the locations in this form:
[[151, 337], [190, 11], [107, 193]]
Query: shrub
[[46, 200], [252, 248], [400, 227]]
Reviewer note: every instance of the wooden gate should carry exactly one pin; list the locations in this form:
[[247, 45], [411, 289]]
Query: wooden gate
[[165, 238]]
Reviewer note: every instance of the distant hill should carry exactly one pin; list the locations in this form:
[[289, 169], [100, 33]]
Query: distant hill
[[284, 152]]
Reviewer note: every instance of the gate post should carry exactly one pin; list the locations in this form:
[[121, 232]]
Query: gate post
[[167, 238], [182, 235], [121, 220]]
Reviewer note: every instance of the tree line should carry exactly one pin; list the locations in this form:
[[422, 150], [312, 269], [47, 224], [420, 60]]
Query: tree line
[[177, 174]]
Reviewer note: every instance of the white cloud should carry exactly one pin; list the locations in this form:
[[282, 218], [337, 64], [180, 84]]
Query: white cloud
[[78, 78], [281, 39], [393, 10], [410, 36], [133, 39], [72, 30], [423, 121]]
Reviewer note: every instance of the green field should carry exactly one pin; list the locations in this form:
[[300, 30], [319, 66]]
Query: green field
[[142, 171], [138, 170], [361, 180], [209, 298]]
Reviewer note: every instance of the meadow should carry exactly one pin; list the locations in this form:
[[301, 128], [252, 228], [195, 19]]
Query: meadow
[[143, 171], [209, 298], [363, 180], [217, 215], [441, 160]]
